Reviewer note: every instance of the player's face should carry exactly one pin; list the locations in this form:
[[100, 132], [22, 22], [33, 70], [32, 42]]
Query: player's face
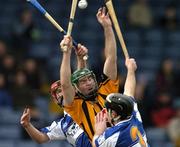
[[111, 115], [59, 95], [86, 84], [105, 114]]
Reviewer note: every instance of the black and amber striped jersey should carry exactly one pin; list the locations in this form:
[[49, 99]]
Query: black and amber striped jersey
[[83, 112]]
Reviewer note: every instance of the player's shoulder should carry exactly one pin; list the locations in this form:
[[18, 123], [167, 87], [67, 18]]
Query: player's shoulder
[[66, 122], [113, 130], [108, 137], [107, 83], [124, 125], [103, 77]]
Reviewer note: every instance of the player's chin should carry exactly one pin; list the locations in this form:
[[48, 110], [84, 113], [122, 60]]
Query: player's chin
[[89, 90]]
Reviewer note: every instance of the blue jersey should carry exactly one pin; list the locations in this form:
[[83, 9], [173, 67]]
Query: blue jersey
[[127, 133], [66, 129]]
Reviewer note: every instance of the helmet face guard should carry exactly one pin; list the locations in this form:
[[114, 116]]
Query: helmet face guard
[[56, 93], [121, 104], [78, 74]]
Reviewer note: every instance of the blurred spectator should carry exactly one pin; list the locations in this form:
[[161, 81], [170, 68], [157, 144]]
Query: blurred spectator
[[140, 15], [22, 94], [141, 86], [169, 20], [5, 97], [8, 68], [174, 125], [33, 74], [145, 100], [177, 79], [24, 33], [165, 77], [163, 111], [3, 50]]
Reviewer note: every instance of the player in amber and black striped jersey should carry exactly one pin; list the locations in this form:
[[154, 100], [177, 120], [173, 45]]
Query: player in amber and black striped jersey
[[83, 97]]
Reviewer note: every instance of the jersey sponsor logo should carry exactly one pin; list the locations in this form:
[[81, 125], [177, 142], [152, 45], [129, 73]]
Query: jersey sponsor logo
[[73, 129], [65, 124], [101, 139]]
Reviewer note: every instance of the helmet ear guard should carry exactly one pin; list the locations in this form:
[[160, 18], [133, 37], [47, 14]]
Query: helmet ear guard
[[121, 104]]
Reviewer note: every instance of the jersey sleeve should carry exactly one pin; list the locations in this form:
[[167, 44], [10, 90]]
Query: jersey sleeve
[[54, 131], [83, 140], [137, 116], [104, 140], [108, 86], [74, 110], [136, 112]]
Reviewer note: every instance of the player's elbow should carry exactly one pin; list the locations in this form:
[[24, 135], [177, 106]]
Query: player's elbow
[[39, 142], [65, 85], [42, 139], [111, 57]]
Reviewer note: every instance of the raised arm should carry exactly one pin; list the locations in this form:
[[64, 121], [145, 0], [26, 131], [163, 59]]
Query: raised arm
[[34, 133], [65, 71], [130, 83], [80, 53], [110, 65]]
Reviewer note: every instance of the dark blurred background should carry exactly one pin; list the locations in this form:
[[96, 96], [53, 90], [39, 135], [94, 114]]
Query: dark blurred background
[[30, 59]]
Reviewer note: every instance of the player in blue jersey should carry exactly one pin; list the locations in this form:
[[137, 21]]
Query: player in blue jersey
[[122, 113], [62, 129]]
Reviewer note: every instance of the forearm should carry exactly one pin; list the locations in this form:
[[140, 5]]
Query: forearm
[[65, 70], [93, 140], [81, 63], [110, 66], [65, 76], [130, 83], [35, 134], [110, 42]]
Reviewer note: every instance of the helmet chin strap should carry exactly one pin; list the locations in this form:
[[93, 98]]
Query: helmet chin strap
[[90, 96], [113, 120]]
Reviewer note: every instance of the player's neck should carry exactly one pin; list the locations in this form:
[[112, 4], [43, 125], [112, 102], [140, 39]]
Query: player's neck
[[116, 121]]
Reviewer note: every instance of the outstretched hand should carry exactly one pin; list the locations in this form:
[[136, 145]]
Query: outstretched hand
[[25, 118], [66, 44], [103, 17], [81, 51], [131, 64]]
